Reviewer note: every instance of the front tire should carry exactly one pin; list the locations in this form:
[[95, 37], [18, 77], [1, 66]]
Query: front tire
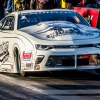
[[23, 73], [18, 63]]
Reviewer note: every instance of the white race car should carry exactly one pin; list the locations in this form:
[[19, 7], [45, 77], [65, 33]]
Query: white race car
[[47, 40]]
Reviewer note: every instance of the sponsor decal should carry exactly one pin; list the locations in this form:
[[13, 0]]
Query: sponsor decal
[[6, 69], [27, 56], [29, 64], [68, 31], [3, 69], [4, 53]]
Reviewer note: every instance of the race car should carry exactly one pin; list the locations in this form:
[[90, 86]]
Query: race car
[[47, 40]]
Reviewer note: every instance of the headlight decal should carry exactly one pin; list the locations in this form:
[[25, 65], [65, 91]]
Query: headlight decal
[[43, 47]]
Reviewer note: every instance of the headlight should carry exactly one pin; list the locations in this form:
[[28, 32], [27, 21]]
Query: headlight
[[97, 45], [43, 47]]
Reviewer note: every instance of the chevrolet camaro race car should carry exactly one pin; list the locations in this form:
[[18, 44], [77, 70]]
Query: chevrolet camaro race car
[[47, 40]]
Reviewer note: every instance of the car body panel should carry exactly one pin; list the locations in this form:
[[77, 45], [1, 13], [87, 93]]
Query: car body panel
[[70, 42]]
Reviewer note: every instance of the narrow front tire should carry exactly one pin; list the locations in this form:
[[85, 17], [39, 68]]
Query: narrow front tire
[[24, 74]]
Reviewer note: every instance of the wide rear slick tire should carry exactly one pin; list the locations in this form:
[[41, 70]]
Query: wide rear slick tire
[[18, 63]]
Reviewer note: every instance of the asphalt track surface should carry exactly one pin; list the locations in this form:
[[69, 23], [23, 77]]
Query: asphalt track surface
[[50, 86]]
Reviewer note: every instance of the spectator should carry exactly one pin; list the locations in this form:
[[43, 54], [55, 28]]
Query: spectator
[[86, 2], [32, 4], [44, 4], [9, 6], [2, 5], [26, 4], [68, 4], [55, 4], [19, 6], [71, 3]]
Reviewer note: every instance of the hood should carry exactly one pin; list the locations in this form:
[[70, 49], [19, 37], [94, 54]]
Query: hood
[[61, 30]]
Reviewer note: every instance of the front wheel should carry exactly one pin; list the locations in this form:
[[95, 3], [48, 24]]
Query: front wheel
[[24, 74], [18, 63]]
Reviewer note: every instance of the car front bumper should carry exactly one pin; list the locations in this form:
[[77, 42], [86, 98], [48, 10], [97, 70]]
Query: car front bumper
[[70, 59]]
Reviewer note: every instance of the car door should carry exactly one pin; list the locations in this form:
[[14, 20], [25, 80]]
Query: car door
[[6, 43]]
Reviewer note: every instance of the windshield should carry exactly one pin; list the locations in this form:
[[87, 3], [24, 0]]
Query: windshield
[[29, 19]]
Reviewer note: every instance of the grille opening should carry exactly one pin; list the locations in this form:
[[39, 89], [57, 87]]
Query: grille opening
[[73, 46], [50, 63], [62, 60], [39, 59], [68, 62], [83, 62]]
